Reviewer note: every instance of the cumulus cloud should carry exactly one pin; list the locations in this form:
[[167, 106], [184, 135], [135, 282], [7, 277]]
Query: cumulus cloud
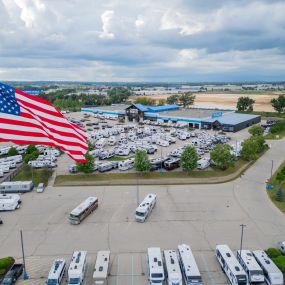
[[112, 40]]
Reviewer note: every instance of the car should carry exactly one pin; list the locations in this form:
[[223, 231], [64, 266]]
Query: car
[[40, 188]]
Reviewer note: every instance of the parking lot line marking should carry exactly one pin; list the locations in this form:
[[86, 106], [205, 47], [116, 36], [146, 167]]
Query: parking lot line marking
[[207, 268]]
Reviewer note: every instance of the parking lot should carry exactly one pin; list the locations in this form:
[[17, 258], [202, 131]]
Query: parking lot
[[199, 215]]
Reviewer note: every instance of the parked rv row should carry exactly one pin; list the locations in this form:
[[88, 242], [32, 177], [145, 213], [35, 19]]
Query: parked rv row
[[47, 158], [76, 272], [9, 163]]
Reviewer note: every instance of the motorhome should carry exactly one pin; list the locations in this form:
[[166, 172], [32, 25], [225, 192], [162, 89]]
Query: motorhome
[[101, 269], [230, 265], [52, 152], [272, 274], [5, 168], [145, 207], [126, 164], [171, 163], [16, 186], [106, 166], [56, 272], [111, 140], [9, 202], [155, 266], [189, 268], [83, 210], [100, 143], [203, 163], [77, 268], [250, 266], [173, 271], [281, 246]]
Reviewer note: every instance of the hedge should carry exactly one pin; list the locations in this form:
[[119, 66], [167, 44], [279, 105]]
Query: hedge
[[273, 252], [5, 264]]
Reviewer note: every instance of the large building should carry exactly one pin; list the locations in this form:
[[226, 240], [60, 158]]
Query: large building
[[198, 118]]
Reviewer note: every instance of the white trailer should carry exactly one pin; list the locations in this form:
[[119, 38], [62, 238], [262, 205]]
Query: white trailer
[[272, 274], [230, 265], [145, 207], [100, 143], [155, 266], [56, 272], [101, 269], [5, 168], [189, 268], [173, 271], [9, 202], [250, 266], [77, 268], [16, 186], [126, 164], [281, 246], [203, 163]]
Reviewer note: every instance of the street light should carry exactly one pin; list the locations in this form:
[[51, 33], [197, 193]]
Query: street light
[[271, 169], [241, 238], [26, 276]]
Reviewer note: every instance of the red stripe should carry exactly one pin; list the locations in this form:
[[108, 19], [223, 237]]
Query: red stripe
[[34, 98], [27, 142]]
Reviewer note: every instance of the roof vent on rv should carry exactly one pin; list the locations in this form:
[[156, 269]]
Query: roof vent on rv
[[159, 263], [101, 268], [155, 259]]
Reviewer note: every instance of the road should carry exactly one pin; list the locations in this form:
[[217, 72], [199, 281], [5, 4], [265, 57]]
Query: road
[[199, 215]]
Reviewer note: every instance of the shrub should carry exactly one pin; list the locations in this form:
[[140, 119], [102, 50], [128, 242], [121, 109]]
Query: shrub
[[280, 262], [142, 163], [189, 159], [278, 127], [12, 151], [273, 252], [5, 264]]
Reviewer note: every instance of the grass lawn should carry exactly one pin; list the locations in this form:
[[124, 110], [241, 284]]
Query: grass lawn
[[61, 179], [272, 193], [119, 158], [39, 175]]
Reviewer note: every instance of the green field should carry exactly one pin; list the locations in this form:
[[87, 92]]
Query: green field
[[37, 175], [272, 193]]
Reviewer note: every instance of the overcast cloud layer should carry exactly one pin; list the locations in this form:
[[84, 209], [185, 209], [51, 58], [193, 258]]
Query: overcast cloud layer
[[150, 40]]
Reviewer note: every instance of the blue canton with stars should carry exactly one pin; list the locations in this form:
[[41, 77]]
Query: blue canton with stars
[[8, 102]]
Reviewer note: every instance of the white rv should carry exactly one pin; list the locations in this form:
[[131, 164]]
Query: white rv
[[145, 207], [5, 168], [56, 272], [281, 246], [9, 202], [173, 271], [230, 265], [77, 268], [126, 164], [100, 143], [16, 186], [111, 140], [189, 268], [52, 152], [250, 266], [203, 163], [100, 275], [272, 274], [155, 266]]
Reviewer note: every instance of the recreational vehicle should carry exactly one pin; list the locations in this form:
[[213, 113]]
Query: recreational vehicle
[[171, 163], [203, 163], [189, 268], [77, 268], [106, 166], [16, 186], [173, 271], [100, 275], [250, 266], [155, 266], [273, 276], [5, 168], [230, 265], [111, 140], [56, 272], [145, 207], [100, 143], [126, 164], [52, 152], [83, 210], [9, 202], [281, 246]]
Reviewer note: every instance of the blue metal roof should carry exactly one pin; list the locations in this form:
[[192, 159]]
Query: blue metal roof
[[141, 107], [162, 108], [231, 118]]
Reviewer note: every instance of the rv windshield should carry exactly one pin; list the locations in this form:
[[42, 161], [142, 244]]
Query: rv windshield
[[156, 275], [52, 282], [194, 279], [74, 281], [242, 280], [140, 214], [7, 280]]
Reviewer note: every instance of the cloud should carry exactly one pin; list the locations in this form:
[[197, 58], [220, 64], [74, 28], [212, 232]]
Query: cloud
[[106, 18], [113, 40]]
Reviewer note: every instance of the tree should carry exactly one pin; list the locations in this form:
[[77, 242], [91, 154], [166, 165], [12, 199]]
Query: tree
[[86, 167], [245, 104], [189, 159], [31, 148], [119, 94], [91, 145], [187, 99], [256, 130], [161, 102], [173, 99], [279, 103], [145, 101], [12, 151], [142, 163], [249, 149], [222, 157], [31, 156]]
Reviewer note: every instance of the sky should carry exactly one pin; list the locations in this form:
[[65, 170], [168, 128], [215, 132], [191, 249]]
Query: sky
[[150, 40]]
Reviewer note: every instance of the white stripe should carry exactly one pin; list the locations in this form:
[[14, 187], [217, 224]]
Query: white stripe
[[24, 138], [42, 105]]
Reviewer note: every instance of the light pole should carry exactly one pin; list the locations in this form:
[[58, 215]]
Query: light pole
[[241, 238], [271, 169], [161, 172], [26, 276]]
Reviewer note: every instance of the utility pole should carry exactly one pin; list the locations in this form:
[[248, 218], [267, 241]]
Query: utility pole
[[161, 160], [271, 169], [241, 238], [137, 194], [26, 276]]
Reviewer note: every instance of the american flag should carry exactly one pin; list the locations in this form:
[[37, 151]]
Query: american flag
[[27, 119]]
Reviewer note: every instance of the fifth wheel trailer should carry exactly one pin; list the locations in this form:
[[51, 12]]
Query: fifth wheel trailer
[[16, 186]]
